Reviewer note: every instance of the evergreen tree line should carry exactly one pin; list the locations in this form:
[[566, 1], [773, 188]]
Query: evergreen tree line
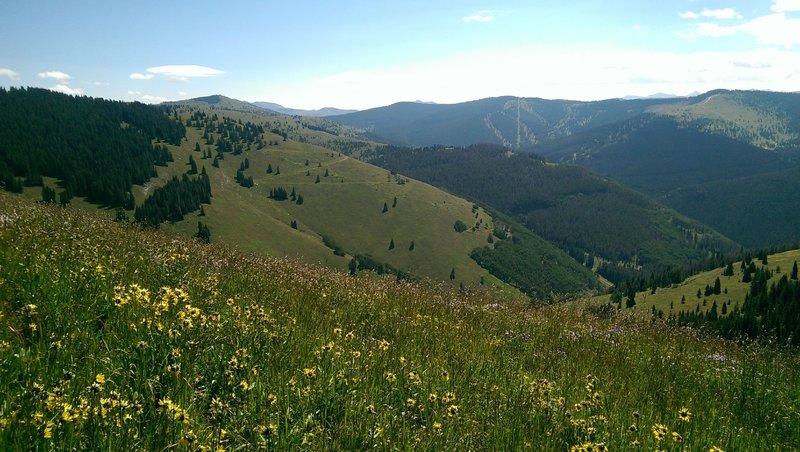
[[97, 148], [769, 311], [174, 200], [628, 280], [281, 194]]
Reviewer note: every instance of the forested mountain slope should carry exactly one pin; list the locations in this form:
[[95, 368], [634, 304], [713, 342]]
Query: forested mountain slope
[[582, 212]]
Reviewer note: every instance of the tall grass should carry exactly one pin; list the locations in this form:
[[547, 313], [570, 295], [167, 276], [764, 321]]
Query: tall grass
[[115, 338]]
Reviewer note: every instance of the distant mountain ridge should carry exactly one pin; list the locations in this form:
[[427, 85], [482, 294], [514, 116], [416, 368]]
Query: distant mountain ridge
[[514, 122], [764, 119], [326, 111]]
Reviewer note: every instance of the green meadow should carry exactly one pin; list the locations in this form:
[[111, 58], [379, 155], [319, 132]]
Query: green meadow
[[113, 337]]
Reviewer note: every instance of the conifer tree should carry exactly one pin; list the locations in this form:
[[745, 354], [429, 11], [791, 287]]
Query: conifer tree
[[391, 244], [317, 181], [385, 208], [794, 270], [192, 165]]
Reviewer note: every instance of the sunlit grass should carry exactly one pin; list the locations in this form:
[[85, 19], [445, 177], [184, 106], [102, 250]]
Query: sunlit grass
[[114, 338]]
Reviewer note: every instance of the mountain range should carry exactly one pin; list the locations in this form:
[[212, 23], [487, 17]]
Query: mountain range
[[327, 111], [724, 157]]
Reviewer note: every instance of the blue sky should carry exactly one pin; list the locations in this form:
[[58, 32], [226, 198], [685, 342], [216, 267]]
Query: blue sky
[[362, 54]]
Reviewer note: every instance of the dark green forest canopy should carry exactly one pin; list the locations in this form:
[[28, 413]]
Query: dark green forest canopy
[[568, 205], [98, 148]]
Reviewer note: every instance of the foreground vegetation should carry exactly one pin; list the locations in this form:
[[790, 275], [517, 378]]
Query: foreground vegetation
[[117, 338]]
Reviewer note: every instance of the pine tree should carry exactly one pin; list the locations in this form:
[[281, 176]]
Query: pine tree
[[631, 302], [728, 270], [192, 165], [317, 181], [269, 168], [48, 195], [394, 203], [385, 208], [391, 244], [794, 270], [411, 246], [352, 266], [300, 200], [203, 233], [293, 224], [453, 274], [717, 286], [326, 172]]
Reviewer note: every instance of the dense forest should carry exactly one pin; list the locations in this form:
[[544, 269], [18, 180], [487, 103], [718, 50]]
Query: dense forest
[[97, 148], [175, 199], [515, 255], [583, 213]]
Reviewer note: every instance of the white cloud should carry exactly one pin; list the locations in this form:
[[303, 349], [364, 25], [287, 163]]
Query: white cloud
[[138, 76], [781, 6], [6, 72], [722, 14], [181, 93], [775, 29], [183, 72], [55, 75], [772, 30], [62, 88], [714, 30], [101, 83], [584, 73], [134, 93], [481, 16], [153, 99]]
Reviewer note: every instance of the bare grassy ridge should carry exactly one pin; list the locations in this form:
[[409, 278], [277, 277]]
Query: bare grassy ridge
[[115, 338]]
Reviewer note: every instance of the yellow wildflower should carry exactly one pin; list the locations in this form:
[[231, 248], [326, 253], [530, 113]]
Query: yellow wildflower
[[452, 410], [659, 431]]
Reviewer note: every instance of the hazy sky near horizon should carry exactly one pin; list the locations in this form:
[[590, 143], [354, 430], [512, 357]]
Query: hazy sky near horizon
[[362, 54]]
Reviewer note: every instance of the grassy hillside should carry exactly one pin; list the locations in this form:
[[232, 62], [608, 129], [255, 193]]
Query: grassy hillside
[[346, 205], [117, 338], [683, 297], [764, 119]]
